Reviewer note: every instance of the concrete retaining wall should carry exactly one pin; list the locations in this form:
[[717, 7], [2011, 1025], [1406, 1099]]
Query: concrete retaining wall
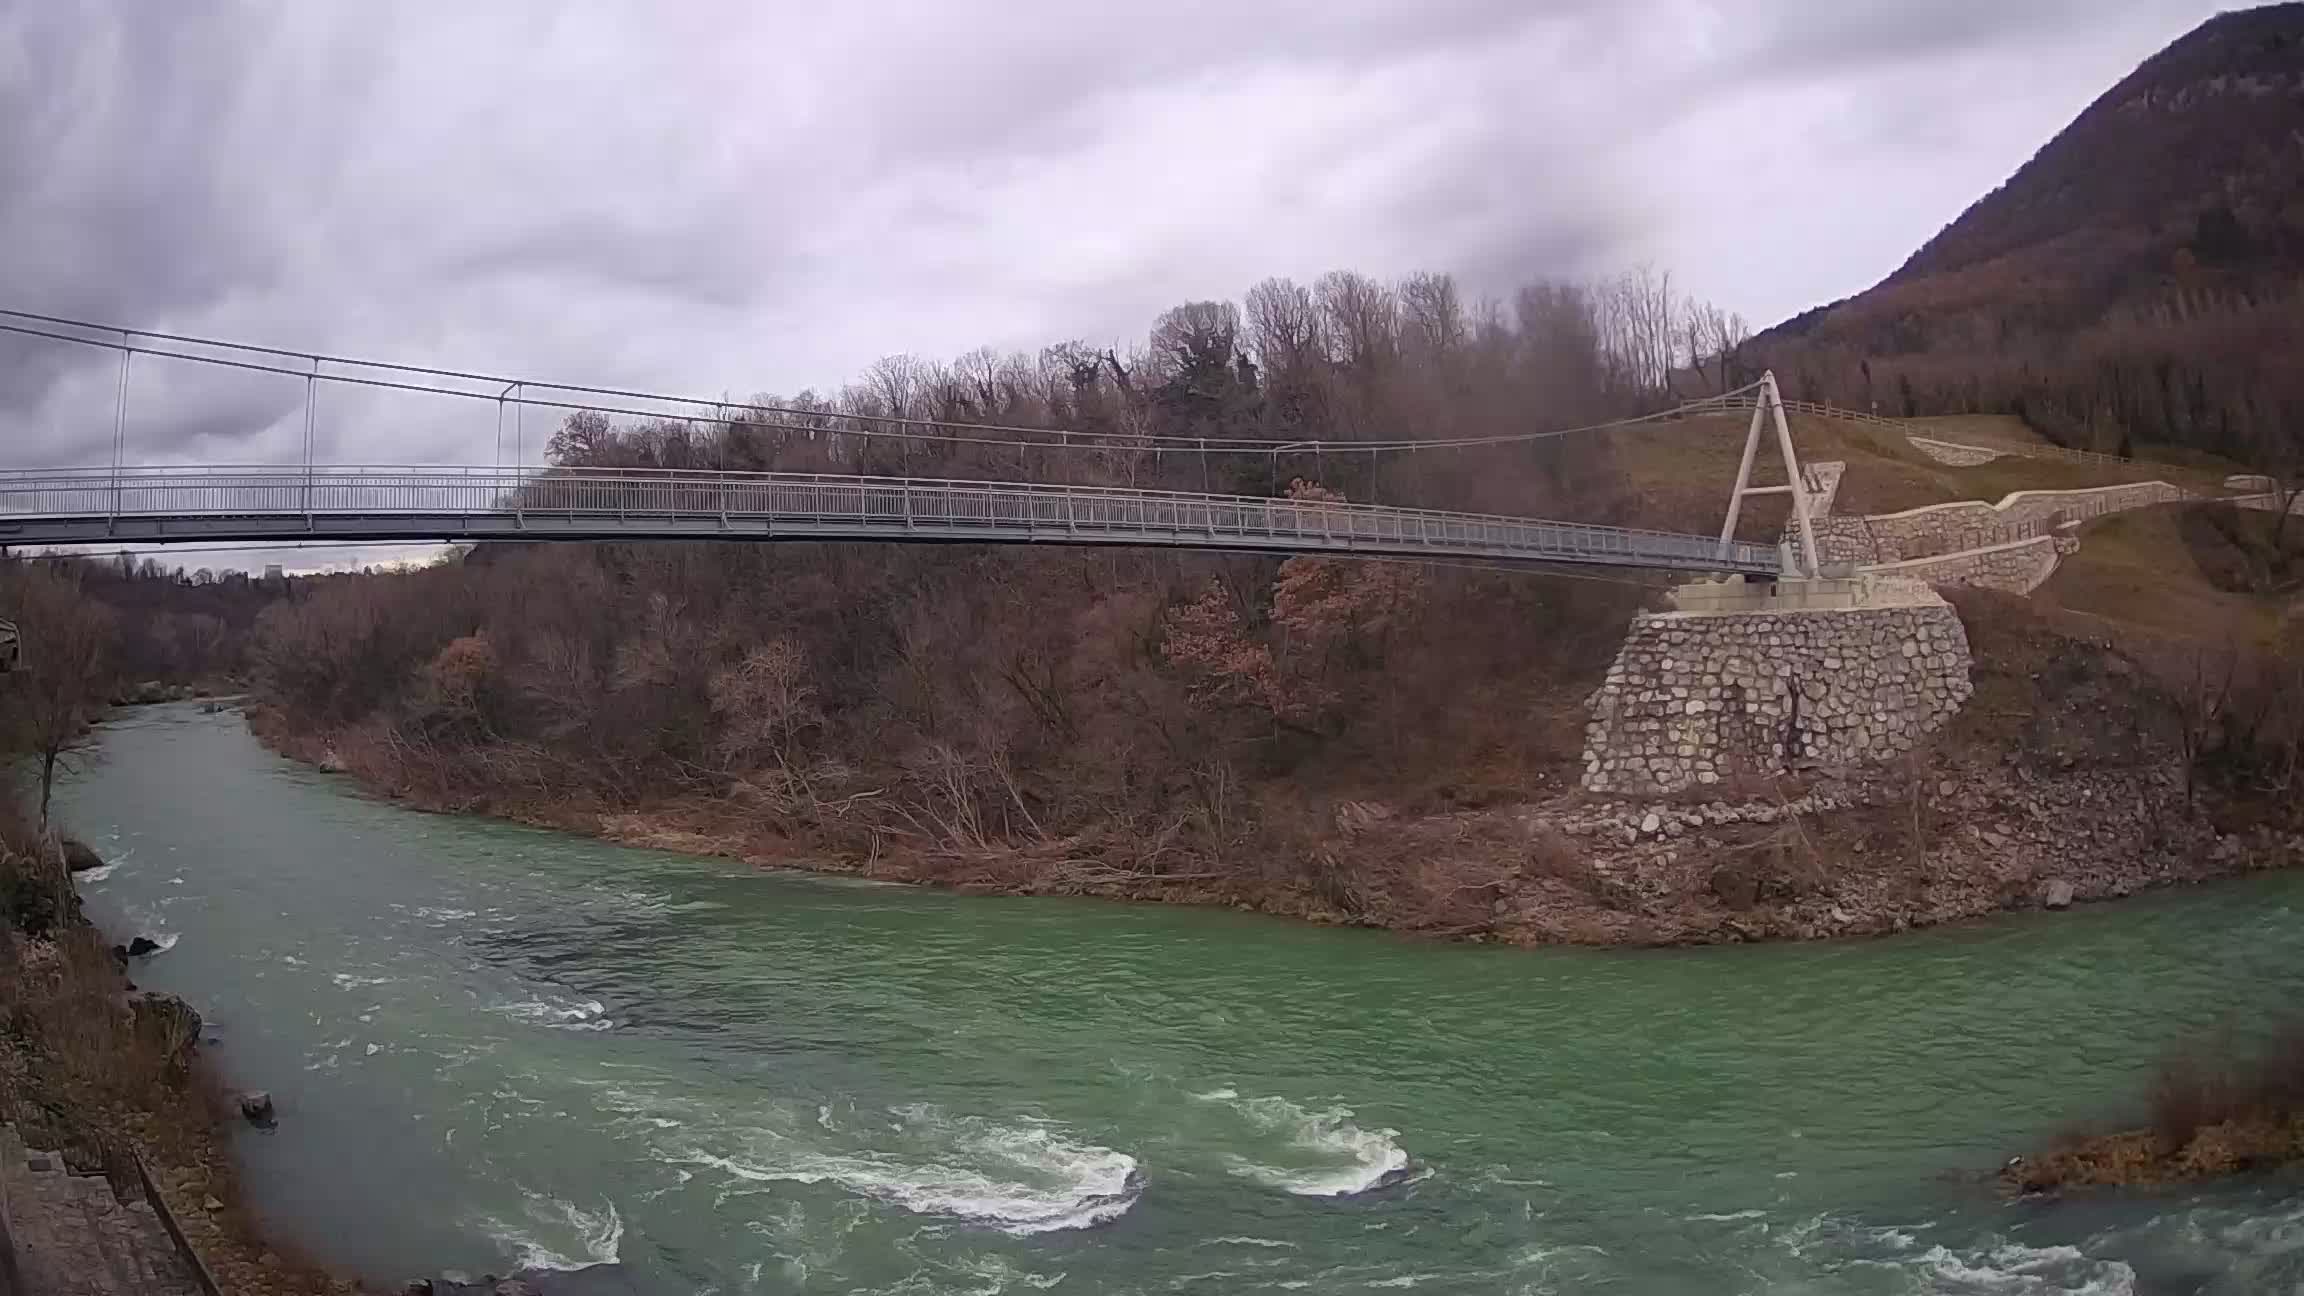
[[1973, 524], [2018, 567]]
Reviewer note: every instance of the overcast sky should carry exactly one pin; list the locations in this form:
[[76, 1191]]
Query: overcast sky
[[731, 196]]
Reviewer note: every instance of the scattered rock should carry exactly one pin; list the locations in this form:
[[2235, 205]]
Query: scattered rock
[[256, 1105], [330, 762], [211, 1204], [1650, 824], [2056, 893], [79, 857]]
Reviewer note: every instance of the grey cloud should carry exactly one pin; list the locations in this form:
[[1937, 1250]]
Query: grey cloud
[[726, 196], [1813, 42], [680, 258], [112, 204], [108, 141], [954, 84]]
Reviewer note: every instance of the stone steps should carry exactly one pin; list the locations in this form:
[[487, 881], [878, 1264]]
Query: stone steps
[[73, 1237]]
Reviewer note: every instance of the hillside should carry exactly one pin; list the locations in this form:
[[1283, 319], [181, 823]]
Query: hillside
[[2134, 284]]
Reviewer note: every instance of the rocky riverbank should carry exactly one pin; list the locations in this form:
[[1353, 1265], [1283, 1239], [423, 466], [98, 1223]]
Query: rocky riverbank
[[106, 1074], [1931, 841]]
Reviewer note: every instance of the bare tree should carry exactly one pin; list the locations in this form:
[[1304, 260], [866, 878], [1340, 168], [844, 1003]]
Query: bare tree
[[52, 704], [1435, 320], [1283, 326], [1362, 320], [1639, 330], [1712, 339], [1285, 331], [766, 704], [1196, 339]]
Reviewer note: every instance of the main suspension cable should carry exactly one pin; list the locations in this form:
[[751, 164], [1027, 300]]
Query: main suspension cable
[[780, 417]]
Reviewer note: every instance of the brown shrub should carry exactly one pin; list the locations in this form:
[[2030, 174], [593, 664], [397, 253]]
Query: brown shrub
[[1554, 854], [2215, 1108]]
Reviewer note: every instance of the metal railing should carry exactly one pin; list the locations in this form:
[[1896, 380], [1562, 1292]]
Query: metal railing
[[196, 1267], [1743, 403], [145, 505]]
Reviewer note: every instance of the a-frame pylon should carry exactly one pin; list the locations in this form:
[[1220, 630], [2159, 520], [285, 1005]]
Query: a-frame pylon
[[1769, 404]]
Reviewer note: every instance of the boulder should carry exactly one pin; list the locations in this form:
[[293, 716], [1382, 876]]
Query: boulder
[[80, 857], [2056, 893], [141, 947], [170, 1024], [256, 1105]]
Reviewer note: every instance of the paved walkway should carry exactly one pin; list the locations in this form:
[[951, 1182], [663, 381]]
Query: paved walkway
[[73, 1238]]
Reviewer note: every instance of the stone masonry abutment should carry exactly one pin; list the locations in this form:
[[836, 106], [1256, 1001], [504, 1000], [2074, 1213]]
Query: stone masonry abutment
[[1746, 680]]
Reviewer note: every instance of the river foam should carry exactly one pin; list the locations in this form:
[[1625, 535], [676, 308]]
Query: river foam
[[2013, 1268], [555, 1227], [1326, 1154], [1020, 1179], [145, 922], [557, 1013]]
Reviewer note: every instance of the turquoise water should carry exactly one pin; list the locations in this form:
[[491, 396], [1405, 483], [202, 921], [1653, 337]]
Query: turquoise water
[[492, 1045]]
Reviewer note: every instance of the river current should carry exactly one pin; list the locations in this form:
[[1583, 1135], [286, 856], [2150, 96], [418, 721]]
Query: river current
[[494, 1046]]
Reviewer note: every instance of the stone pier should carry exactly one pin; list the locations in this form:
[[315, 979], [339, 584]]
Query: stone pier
[[1765, 678]]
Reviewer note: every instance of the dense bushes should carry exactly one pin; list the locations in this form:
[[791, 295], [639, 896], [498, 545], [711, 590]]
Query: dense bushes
[[942, 699]]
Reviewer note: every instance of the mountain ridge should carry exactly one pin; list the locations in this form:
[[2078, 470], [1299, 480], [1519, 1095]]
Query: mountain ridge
[[2135, 281]]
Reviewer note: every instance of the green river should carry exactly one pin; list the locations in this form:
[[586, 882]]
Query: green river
[[493, 1046]]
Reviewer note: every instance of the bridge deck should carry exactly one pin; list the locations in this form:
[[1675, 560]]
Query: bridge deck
[[158, 505]]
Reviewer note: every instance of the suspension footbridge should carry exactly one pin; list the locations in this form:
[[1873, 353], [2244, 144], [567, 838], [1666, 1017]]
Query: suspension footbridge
[[126, 503]]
